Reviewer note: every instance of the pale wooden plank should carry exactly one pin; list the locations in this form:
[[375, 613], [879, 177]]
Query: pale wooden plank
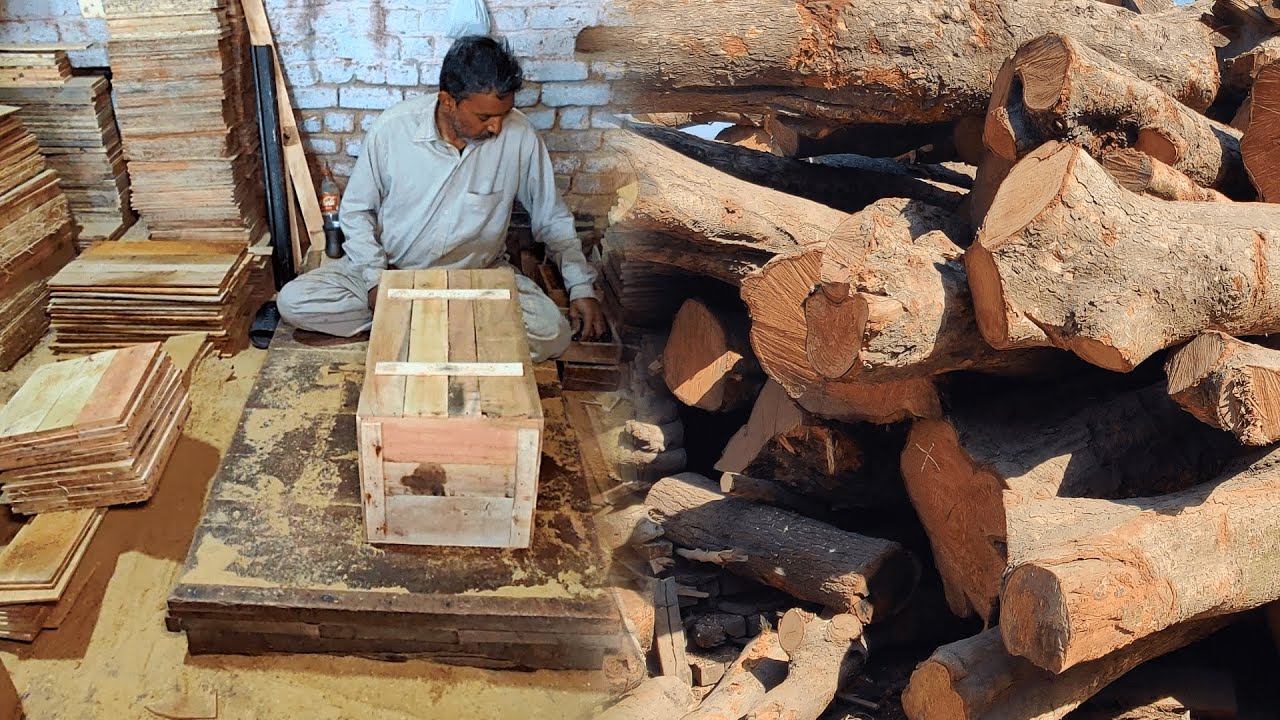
[[464, 392], [449, 294], [383, 395], [428, 342], [75, 392], [525, 495], [450, 369], [452, 521], [496, 332], [17, 597], [32, 402], [42, 548], [372, 481], [449, 479], [463, 440], [120, 383]]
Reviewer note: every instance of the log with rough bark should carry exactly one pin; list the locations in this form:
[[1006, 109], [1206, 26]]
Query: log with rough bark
[[629, 526], [807, 559], [1259, 144], [975, 475], [659, 698], [975, 679], [760, 667], [775, 295], [847, 189], [651, 437], [708, 362], [1057, 88], [823, 652], [1067, 257], [772, 493], [1113, 573], [1141, 173], [836, 62], [1229, 384]]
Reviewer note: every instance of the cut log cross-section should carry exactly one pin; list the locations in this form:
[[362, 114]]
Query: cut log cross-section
[[1259, 146], [1141, 173], [708, 362], [1230, 384], [1057, 88], [1114, 573], [1067, 257]]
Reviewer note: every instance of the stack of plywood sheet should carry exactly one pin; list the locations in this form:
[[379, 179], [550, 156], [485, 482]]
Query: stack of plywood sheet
[[75, 125], [34, 65], [185, 108], [39, 559], [120, 293], [36, 235], [91, 432]]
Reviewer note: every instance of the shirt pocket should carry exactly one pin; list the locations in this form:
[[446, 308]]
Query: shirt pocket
[[475, 221]]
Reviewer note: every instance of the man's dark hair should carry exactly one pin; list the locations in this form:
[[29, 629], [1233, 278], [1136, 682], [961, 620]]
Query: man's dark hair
[[479, 64]]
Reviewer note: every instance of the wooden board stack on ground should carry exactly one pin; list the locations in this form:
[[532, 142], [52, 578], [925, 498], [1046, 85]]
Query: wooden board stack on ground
[[36, 237], [39, 569], [181, 73], [120, 293], [75, 124], [449, 419], [91, 432]]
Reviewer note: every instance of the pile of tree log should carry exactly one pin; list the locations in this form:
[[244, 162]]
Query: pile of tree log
[[985, 290]]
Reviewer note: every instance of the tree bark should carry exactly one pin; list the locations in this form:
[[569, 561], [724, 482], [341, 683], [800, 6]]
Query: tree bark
[[974, 475], [837, 63], [769, 492], [1139, 172], [1229, 384], [1106, 574], [825, 654], [659, 698], [708, 363], [1069, 258], [656, 438], [975, 679], [1259, 145], [1059, 89], [807, 559], [760, 667]]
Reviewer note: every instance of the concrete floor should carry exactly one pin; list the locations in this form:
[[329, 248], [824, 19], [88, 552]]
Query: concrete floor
[[113, 657]]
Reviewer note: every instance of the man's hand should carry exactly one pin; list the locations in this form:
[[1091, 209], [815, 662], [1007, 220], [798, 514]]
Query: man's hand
[[586, 317], [373, 297]]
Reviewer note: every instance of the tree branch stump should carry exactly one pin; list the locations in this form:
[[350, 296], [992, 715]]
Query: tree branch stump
[[1229, 384]]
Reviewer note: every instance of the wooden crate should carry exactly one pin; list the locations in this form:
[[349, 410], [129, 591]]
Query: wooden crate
[[449, 422]]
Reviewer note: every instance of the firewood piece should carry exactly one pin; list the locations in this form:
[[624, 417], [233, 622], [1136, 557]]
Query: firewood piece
[[1258, 146], [1063, 90], [838, 63], [773, 138], [708, 362], [659, 698], [894, 301], [975, 679], [807, 559], [1141, 173], [774, 413], [760, 667], [1249, 50], [638, 613], [1230, 384], [631, 526], [771, 493], [669, 635], [648, 463], [1042, 273], [970, 474], [842, 188], [825, 656], [656, 438], [715, 557], [1118, 572]]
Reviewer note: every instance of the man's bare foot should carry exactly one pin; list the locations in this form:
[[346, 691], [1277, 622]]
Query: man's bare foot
[[316, 339]]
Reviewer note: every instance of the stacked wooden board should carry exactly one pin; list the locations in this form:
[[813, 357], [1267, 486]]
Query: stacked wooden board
[[91, 432], [185, 108], [75, 124], [39, 559], [34, 65], [121, 293], [36, 234]]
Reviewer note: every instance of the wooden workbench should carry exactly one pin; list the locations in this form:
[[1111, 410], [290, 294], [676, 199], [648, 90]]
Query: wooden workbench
[[279, 562]]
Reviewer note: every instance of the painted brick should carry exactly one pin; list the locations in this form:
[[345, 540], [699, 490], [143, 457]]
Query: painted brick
[[335, 70], [320, 145], [608, 70], [563, 182], [596, 184], [290, 24], [311, 124], [374, 74], [418, 92], [366, 121], [429, 73], [417, 48], [561, 16], [605, 163], [342, 168], [508, 19], [369, 98], [554, 70], [528, 95], [315, 97], [575, 118], [353, 147], [434, 22], [404, 21], [604, 120], [588, 93], [541, 118], [299, 53], [572, 140], [566, 163], [542, 43], [339, 122], [590, 205], [402, 72], [301, 74], [343, 20]]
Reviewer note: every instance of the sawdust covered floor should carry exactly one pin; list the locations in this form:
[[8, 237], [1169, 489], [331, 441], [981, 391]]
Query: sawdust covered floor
[[113, 656]]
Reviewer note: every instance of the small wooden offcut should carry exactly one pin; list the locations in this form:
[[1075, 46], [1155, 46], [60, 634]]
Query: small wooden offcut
[[449, 422]]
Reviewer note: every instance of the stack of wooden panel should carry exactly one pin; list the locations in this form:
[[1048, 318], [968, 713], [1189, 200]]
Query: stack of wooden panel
[[185, 107], [33, 65], [121, 293], [91, 432], [74, 122], [39, 558], [36, 235]]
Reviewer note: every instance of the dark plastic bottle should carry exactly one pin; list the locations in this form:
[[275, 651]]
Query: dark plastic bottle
[[330, 199]]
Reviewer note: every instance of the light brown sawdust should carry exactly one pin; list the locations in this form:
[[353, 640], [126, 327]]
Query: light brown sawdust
[[112, 656]]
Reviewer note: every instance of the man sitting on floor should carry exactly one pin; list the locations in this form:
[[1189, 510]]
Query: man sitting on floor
[[434, 188]]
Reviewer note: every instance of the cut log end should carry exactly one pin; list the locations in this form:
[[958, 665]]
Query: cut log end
[[1228, 384], [931, 695], [1038, 625], [708, 363], [1043, 65], [1159, 146], [1258, 147], [1193, 362], [834, 329]]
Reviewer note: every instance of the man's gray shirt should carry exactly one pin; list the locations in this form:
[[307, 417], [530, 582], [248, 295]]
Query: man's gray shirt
[[415, 201]]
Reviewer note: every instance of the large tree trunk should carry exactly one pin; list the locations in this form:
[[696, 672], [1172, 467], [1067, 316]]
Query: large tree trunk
[[708, 362], [1059, 89], [975, 679], [1106, 574], [973, 475], [1141, 173], [847, 189], [845, 63], [775, 295], [1259, 144], [867, 577], [1229, 384], [1069, 258]]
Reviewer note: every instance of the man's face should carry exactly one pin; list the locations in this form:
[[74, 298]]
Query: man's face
[[478, 117]]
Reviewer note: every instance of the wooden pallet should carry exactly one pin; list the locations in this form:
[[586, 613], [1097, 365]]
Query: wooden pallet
[[449, 419]]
